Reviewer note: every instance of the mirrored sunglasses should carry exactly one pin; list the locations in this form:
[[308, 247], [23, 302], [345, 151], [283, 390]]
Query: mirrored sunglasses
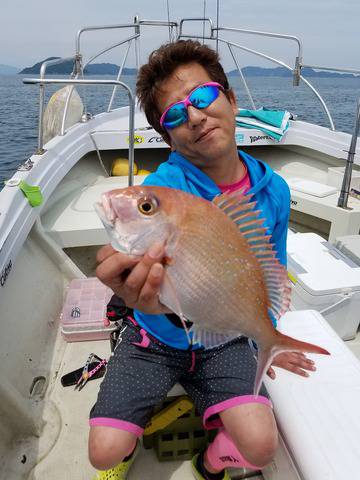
[[201, 97]]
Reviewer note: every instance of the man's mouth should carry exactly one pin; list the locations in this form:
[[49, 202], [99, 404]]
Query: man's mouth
[[204, 135]]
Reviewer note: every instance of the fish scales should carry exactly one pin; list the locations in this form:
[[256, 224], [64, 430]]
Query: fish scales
[[212, 254]]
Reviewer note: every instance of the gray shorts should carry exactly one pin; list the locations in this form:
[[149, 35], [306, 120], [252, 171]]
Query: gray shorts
[[143, 370]]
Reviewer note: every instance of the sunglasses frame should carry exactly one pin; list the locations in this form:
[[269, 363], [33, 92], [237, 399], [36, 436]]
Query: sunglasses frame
[[186, 102]]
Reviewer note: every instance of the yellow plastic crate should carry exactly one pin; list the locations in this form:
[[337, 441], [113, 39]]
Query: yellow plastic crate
[[182, 438]]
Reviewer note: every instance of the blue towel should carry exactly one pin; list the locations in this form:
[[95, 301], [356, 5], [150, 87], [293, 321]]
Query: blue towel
[[272, 122]]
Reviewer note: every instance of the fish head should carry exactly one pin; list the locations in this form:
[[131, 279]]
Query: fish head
[[135, 218]]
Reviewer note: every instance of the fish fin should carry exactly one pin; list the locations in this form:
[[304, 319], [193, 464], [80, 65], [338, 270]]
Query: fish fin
[[210, 339], [283, 344], [173, 302], [241, 211]]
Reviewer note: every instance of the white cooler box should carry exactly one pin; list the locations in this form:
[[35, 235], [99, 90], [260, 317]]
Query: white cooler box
[[324, 279]]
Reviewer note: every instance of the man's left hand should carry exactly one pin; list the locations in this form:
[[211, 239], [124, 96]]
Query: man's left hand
[[295, 362]]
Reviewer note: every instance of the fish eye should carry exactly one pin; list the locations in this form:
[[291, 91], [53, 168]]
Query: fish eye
[[147, 206]]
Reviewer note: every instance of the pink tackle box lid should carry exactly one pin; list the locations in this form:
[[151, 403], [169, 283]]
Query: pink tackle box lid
[[84, 311]]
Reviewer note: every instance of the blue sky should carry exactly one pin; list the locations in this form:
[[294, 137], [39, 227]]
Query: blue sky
[[31, 31]]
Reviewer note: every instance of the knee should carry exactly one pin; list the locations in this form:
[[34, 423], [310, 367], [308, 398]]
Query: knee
[[108, 447], [259, 448]]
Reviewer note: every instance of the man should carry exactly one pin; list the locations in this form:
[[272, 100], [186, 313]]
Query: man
[[186, 97]]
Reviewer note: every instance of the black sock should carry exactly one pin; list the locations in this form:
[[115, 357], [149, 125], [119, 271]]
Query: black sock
[[130, 454], [205, 473]]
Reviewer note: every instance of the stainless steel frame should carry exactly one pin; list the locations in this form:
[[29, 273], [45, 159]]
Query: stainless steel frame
[[345, 188], [43, 68], [46, 81], [179, 30]]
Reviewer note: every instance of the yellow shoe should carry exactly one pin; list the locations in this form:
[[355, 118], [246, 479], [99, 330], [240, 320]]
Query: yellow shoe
[[198, 475], [120, 471]]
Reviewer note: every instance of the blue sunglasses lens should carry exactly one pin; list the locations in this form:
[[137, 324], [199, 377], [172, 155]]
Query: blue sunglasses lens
[[201, 97], [175, 116]]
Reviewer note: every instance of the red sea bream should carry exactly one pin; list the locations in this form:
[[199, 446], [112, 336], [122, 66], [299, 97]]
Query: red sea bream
[[222, 273]]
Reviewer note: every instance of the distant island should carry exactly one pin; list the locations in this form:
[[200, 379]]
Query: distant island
[[112, 69], [8, 69], [67, 67], [284, 72]]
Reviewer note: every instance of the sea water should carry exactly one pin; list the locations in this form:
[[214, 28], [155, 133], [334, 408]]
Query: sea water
[[19, 107]]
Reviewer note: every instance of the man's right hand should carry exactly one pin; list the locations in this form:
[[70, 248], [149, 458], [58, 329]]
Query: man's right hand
[[136, 280]]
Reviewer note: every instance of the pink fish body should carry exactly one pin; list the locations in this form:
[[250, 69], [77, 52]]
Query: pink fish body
[[221, 271]]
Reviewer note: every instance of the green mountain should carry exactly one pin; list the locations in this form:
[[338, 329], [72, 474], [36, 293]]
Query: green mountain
[[112, 69], [67, 67]]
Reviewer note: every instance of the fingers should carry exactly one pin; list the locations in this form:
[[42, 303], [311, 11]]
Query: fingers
[[301, 361], [104, 252], [150, 290], [295, 362], [297, 370], [112, 265], [137, 280], [143, 283], [271, 373]]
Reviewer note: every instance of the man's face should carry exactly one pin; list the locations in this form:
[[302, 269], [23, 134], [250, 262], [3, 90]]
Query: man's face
[[208, 134]]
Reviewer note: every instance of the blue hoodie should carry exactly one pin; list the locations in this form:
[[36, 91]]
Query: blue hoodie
[[271, 193]]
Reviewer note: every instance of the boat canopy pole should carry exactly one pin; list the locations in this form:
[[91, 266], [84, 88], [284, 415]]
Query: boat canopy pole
[[345, 188], [298, 60], [278, 62], [253, 106]]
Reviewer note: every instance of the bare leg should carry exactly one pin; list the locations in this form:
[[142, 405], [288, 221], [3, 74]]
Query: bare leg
[[109, 446], [252, 428]]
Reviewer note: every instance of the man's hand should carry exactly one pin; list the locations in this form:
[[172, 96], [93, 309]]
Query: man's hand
[[295, 362], [136, 280]]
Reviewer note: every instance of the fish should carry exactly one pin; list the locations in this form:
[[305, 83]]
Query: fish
[[221, 271]]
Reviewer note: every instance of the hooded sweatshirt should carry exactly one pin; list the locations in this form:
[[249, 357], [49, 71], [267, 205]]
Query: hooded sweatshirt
[[272, 195]]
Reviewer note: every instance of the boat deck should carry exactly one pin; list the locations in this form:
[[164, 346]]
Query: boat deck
[[64, 441], [303, 408]]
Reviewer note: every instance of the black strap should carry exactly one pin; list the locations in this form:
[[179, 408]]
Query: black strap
[[176, 320]]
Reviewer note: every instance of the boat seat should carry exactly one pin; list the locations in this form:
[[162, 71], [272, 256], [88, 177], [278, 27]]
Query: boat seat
[[72, 220], [318, 417]]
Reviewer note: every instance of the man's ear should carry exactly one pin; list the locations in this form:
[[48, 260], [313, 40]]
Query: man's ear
[[167, 139]]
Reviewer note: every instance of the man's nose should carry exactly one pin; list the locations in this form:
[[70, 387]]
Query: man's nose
[[195, 116]]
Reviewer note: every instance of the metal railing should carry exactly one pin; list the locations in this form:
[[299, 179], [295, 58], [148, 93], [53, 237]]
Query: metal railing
[[345, 187], [135, 37], [298, 65], [80, 69], [179, 31], [43, 68], [296, 69], [55, 81], [283, 64]]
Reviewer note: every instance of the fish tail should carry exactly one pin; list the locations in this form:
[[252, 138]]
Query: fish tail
[[283, 343]]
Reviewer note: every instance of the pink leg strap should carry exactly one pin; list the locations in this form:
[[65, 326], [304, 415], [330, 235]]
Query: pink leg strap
[[222, 453], [145, 341]]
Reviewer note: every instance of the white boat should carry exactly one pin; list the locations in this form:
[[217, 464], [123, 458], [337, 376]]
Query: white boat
[[43, 429]]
